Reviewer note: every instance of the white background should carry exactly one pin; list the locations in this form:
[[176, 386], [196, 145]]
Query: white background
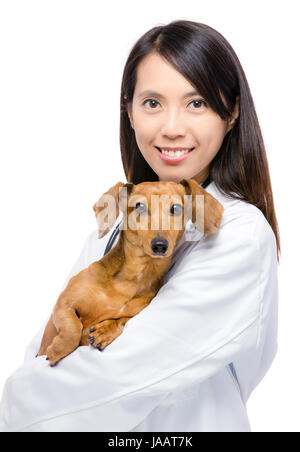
[[61, 64]]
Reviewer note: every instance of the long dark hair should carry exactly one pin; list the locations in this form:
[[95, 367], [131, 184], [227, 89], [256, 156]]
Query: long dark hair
[[204, 57]]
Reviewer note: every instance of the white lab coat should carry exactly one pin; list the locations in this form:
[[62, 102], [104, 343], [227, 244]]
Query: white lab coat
[[188, 362]]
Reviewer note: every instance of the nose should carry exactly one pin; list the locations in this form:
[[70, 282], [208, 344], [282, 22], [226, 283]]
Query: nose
[[173, 125], [159, 245]]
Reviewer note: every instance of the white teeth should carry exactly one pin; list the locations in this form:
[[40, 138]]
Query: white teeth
[[174, 154]]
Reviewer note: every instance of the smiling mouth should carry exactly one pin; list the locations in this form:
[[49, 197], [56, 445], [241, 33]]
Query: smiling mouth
[[190, 150]]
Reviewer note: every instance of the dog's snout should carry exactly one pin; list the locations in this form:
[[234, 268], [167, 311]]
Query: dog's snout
[[159, 245]]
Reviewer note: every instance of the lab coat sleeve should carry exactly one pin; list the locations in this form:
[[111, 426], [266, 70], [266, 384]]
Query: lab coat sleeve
[[206, 315]]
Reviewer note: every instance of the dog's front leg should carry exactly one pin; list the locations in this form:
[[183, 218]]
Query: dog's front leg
[[105, 332], [69, 329]]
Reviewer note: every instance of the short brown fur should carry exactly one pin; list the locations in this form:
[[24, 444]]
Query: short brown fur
[[103, 297]]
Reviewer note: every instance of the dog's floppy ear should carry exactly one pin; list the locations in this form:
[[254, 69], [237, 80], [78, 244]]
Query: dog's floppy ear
[[124, 195], [107, 207], [213, 209]]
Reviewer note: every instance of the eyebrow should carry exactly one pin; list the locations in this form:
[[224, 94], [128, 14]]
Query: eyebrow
[[154, 93]]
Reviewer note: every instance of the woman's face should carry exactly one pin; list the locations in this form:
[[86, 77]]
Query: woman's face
[[174, 118]]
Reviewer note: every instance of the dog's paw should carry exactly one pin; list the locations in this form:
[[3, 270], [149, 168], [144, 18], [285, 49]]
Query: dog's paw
[[102, 334], [52, 356]]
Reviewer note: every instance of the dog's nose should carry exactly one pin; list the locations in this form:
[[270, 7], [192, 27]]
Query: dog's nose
[[159, 246]]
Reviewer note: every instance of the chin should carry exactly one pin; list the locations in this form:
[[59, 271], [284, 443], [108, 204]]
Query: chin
[[173, 178]]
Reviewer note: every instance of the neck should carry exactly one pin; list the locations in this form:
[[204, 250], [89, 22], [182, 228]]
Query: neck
[[199, 178]]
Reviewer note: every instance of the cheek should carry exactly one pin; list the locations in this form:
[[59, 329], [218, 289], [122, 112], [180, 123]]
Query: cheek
[[212, 136], [142, 132], [216, 143], [141, 121], [146, 126]]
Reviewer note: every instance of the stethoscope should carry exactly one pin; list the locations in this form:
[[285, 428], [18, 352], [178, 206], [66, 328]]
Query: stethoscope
[[116, 230]]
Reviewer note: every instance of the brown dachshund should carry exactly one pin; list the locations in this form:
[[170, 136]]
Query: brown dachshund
[[103, 297]]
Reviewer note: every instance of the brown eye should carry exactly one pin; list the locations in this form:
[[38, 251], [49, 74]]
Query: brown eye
[[152, 103], [140, 208], [176, 210], [199, 103]]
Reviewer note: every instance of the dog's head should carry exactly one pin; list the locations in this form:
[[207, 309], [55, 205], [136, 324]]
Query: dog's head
[[155, 213]]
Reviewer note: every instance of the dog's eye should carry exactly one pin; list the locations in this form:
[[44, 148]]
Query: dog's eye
[[140, 208], [176, 210]]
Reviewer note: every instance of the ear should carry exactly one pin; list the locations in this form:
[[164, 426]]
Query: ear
[[234, 115], [213, 209], [108, 206], [123, 197], [129, 112]]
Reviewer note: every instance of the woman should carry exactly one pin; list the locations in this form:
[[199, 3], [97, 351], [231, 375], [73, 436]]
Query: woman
[[190, 360]]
